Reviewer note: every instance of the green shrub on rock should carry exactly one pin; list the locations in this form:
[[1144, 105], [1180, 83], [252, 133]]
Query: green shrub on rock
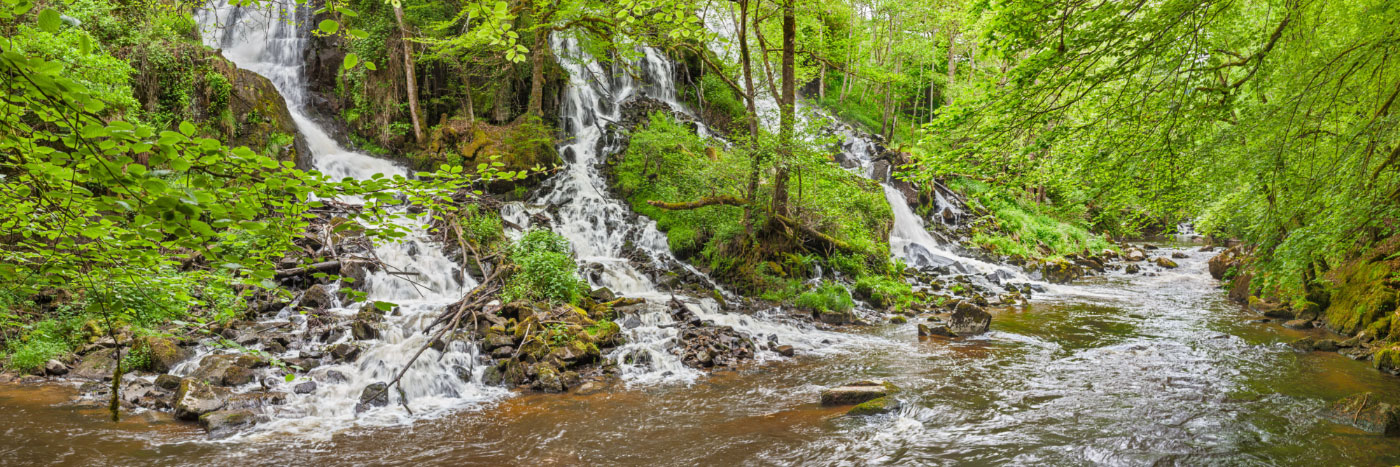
[[829, 297], [545, 270]]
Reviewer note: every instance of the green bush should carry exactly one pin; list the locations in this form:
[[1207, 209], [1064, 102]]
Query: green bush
[[481, 227], [884, 292], [830, 296], [1025, 228], [545, 270]]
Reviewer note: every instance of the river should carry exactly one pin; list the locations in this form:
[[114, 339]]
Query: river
[[1115, 370]]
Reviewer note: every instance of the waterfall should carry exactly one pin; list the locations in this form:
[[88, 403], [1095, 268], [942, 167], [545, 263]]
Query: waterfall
[[270, 41]]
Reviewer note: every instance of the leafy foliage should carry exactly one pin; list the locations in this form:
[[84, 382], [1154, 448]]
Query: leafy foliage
[[545, 270]]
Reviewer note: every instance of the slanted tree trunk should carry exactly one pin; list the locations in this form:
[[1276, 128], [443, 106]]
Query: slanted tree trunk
[[408, 70]]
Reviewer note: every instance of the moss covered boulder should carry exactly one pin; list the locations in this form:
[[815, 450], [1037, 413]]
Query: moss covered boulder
[[1365, 290], [162, 353], [876, 406], [1367, 412], [856, 393]]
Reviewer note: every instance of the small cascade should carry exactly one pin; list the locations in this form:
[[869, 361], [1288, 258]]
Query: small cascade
[[270, 41], [608, 237]]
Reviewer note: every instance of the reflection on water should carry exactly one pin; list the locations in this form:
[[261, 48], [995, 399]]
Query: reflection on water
[[1120, 370]]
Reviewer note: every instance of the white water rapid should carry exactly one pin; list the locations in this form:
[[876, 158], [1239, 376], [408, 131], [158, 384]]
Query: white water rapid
[[270, 41]]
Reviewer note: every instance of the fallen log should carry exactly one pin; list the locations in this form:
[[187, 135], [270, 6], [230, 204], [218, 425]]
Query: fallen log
[[711, 201], [814, 234], [329, 267]]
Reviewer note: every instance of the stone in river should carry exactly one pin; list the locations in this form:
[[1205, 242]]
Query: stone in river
[[855, 393], [1366, 412]]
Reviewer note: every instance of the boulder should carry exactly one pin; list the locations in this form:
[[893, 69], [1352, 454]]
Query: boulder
[[305, 388], [254, 400], [224, 423], [344, 352], [603, 294], [1180, 255], [1366, 412], [1387, 360], [364, 330], [547, 378], [96, 365], [194, 398], [876, 406], [1132, 269], [1165, 262], [835, 317], [937, 329], [227, 369], [318, 297], [374, 395], [1134, 255], [856, 393], [1298, 324], [163, 352], [168, 382], [785, 350], [968, 319], [55, 368], [1061, 272]]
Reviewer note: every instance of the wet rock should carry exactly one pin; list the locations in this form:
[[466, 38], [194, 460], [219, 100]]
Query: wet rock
[[55, 368], [1271, 309], [711, 346], [785, 350], [364, 330], [547, 378], [602, 294], [163, 352], [334, 377], [856, 393], [345, 352], [1061, 272], [374, 395], [194, 398], [317, 297], [876, 406], [968, 319], [570, 379], [1132, 269], [589, 388], [1134, 255], [503, 352], [937, 329], [97, 365], [1387, 360], [168, 382], [305, 388], [1164, 262], [898, 319], [225, 423], [1220, 264], [491, 377], [227, 370], [1298, 324], [1366, 412], [1180, 255], [834, 317], [254, 400]]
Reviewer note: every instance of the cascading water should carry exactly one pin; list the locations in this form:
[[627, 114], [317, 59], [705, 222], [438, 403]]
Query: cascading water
[[270, 41], [601, 227]]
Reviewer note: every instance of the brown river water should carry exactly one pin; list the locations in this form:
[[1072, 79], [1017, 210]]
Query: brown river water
[[1116, 370]]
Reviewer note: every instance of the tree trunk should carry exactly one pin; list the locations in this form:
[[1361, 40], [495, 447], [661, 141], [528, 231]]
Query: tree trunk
[[408, 69], [755, 159], [467, 83], [787, 114], [952, 63], [536, 105]]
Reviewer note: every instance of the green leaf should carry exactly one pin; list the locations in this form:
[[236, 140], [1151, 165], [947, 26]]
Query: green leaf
[[49, 20], [370, 66], [350, 61], [187, 128], [329, 26], [383, 306], [358, 33], [290, 377]]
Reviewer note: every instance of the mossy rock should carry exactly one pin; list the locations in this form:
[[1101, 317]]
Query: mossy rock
[[162, 353], [1362, 297], [880, 405], [1387, 360]]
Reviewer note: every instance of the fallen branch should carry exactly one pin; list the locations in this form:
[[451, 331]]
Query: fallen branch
[[814, 234], [329, 267], [711, 201]]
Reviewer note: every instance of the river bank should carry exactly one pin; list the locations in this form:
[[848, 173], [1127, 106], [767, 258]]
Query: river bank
[[1118, 369]]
